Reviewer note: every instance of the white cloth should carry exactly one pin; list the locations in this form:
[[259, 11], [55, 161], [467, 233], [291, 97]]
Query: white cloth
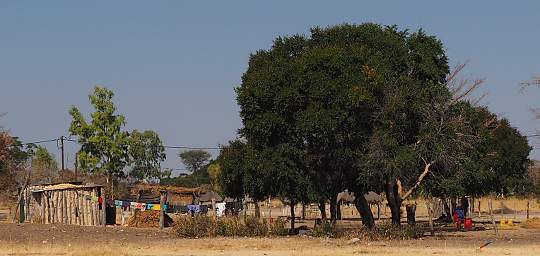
[[220, 209]]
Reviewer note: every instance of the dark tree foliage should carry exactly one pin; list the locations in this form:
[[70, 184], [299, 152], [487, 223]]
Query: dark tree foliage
[[363, 107], [337, 93]]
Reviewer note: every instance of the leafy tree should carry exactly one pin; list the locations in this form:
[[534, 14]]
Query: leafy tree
[[104, 145], [340, 92], [233, 162], [14, 156], [245, 171], [44, 166], [214, 171], [146, 153], [195, 160]]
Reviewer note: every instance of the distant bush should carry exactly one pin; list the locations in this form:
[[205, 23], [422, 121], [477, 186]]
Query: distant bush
[[277, 228], [255, 227], [205, 226], [194, 227], [326, 229], [388, 231], [229, 227]]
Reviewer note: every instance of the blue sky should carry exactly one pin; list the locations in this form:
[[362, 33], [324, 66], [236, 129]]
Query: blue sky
[[173, 64]]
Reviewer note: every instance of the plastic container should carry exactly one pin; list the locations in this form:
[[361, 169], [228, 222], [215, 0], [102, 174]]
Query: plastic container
[[468, 224]]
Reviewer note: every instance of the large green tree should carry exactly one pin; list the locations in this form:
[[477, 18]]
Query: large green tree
[[104, 143], [346, 94], [146, 153]]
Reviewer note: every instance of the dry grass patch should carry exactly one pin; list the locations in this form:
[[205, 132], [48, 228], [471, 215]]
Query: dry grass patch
[[533, 223]]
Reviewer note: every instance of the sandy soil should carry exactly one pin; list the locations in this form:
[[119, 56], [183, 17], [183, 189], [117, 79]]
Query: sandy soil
[[31, 239]]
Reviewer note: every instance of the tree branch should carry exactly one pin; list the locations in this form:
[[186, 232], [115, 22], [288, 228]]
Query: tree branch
[[418, 182]]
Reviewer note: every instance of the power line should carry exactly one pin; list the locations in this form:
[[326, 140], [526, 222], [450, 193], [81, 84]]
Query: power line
[[171, 147], [533, 135], [186, 147], [39, 142]]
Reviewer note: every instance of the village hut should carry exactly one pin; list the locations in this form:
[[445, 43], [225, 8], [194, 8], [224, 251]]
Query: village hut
[[66, 203]]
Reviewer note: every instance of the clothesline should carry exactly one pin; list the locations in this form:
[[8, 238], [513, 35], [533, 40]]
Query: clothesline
[[136, 205], [127, 205]]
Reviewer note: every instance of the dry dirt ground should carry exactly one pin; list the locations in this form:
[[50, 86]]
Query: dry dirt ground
[[34, 239]]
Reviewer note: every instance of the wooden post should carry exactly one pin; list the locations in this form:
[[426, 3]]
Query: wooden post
[[490, 204], [502, 210], [91, 206], [70, 207], [54, 206], [47, 208], [515, 209], [430, 216], [81, 208], [103, 208], [77, 208], [96, 208], [378, 210], [528, 204], [43, 194], [162, 199], [62, 207], [86, 208], [479, 209], [89, 209]]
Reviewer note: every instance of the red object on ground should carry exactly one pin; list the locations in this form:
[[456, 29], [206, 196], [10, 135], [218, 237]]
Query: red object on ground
[[468, 223], [457, 220]]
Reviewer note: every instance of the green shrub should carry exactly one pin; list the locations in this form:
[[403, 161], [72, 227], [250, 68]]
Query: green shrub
[[255, 227], [388, 231], [204, 226], [229, 226], [193, 227], [277, 227], [326, 229]]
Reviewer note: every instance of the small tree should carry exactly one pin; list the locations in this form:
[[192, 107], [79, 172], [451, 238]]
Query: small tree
[[44, 166], [195, 160], [214, 171], [104, 145], [146, 154]]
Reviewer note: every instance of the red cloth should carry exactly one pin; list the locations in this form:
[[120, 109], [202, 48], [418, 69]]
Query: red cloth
[[100, 200]]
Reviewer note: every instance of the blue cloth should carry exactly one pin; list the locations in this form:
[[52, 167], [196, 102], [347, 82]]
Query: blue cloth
[[194, 208], [118, 203], [149, 206], [460, 213], [125, 205]]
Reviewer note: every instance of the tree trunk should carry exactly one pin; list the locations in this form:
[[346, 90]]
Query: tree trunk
[[453, 203], [322, 209], [303, 211], [257, 210], [333, 208], [429, 203], [465, 205], [292, 218], [365, 211], [411, 214], [338, 210], [394, 201], [447, 211]]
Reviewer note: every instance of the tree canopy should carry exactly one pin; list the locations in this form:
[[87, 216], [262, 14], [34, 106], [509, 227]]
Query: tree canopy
[[357, 107], [146, 152]]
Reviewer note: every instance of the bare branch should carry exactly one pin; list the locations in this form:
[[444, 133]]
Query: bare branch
[[463, 88], [418, 182]]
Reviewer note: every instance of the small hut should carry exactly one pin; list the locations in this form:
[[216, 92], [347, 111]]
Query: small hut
[[66, 203]]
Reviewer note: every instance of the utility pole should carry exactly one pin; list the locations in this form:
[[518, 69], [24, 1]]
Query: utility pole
[[76, 164], [62, 146]]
